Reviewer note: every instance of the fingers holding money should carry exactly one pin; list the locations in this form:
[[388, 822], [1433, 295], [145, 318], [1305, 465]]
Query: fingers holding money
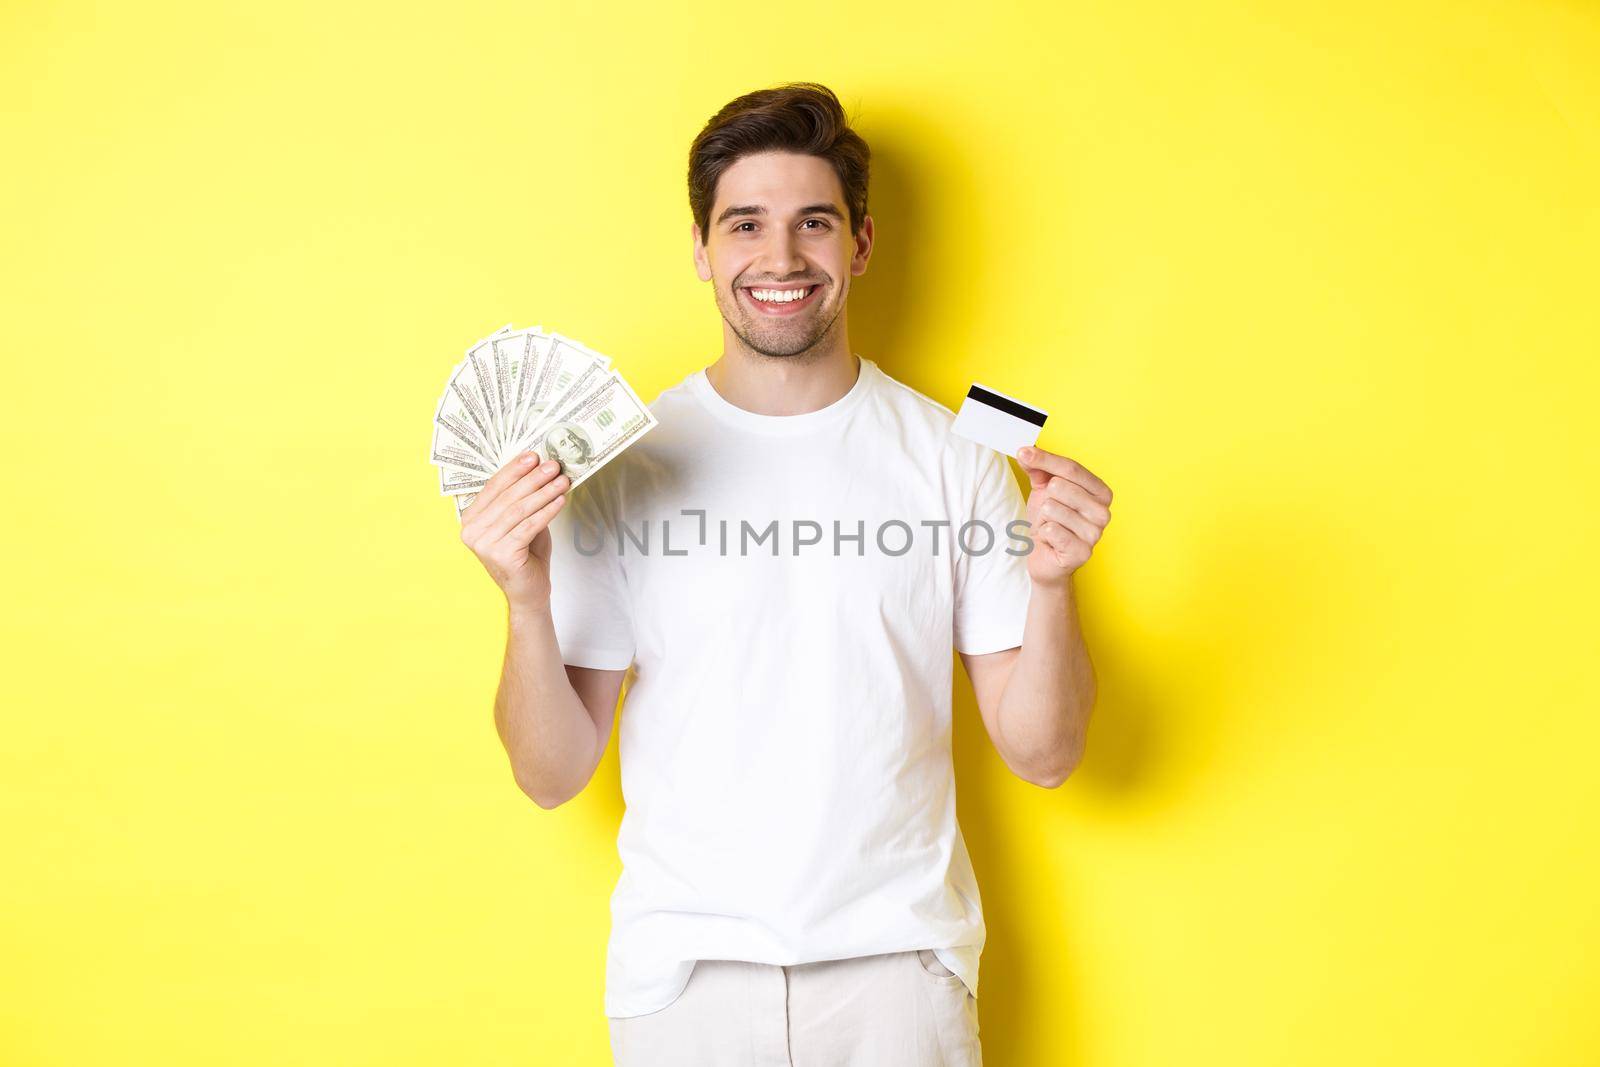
[[505, 527], [519, 510], [541, 509], [522, 478], [514, 469]]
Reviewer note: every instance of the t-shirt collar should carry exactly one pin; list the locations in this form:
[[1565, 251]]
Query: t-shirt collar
[[783, 425]]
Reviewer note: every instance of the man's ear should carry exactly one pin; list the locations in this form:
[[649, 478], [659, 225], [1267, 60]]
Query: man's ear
[[863, 250], [702, 263]]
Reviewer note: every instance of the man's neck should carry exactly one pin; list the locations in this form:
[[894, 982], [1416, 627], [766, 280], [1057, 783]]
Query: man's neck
[[784, 385]]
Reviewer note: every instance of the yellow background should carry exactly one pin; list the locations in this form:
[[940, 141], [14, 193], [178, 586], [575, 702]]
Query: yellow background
[[1312, 287]]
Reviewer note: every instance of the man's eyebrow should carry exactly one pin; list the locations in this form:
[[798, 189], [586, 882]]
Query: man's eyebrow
[[738, 210]]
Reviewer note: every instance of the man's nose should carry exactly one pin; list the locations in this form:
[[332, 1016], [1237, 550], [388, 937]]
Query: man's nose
[[782, 253]]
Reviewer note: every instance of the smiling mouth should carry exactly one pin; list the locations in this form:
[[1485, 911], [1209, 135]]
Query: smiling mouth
[[780, 299]]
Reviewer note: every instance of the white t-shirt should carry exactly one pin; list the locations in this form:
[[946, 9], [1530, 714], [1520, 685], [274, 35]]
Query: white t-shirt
[[785, 741]]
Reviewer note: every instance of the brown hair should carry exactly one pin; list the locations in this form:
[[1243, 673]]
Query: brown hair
[[801, 117]]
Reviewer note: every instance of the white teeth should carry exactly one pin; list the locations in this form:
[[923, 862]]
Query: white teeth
[[778, 296]]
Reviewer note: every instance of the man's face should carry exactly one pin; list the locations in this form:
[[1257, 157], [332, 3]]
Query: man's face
[[779, 252]]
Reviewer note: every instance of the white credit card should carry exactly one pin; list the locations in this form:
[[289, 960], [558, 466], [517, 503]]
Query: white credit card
[[1003, 423]]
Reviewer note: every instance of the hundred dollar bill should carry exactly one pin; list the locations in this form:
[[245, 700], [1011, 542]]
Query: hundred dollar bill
[[526, 377], [461, 420], [581, 347], [509, 353], [478, 377], [461, 416], [578, 383], [453, 437], [456, 457], [564, 367], [458, 466], [583, 436], [570, 375], [529, 389], [453, 480], [586, 433]]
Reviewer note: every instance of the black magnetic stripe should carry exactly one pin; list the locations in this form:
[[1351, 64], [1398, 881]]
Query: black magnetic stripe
[[1010, 407]]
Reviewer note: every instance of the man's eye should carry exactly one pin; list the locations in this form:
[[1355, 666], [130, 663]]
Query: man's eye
[[741, 225], [819, 222]]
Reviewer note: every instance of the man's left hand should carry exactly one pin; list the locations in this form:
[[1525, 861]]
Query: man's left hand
[[1068, 509]]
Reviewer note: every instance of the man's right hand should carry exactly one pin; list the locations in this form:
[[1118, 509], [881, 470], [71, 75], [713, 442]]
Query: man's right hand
[[507, 527]]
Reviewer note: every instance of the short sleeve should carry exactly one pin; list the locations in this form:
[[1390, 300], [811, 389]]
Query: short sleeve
[[992, 587], [588, 590]]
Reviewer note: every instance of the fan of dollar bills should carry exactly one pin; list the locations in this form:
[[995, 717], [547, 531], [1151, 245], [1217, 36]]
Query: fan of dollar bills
[[518, 390]]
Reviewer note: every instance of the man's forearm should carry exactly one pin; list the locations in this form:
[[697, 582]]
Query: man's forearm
[[1044, 710], [546, 730]]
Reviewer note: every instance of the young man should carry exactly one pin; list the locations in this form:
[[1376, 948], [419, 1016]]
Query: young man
[[786, 562]]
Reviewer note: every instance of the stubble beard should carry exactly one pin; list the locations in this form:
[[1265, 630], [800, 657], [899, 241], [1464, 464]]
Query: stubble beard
[[781, 344]]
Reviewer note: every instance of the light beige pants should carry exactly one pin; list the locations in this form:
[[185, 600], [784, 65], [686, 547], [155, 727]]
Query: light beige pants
[[899, 1009]]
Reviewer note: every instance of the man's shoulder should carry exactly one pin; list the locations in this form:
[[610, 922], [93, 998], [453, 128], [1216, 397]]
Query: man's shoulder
[[912, 406], [674, 395], [902, 396]]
